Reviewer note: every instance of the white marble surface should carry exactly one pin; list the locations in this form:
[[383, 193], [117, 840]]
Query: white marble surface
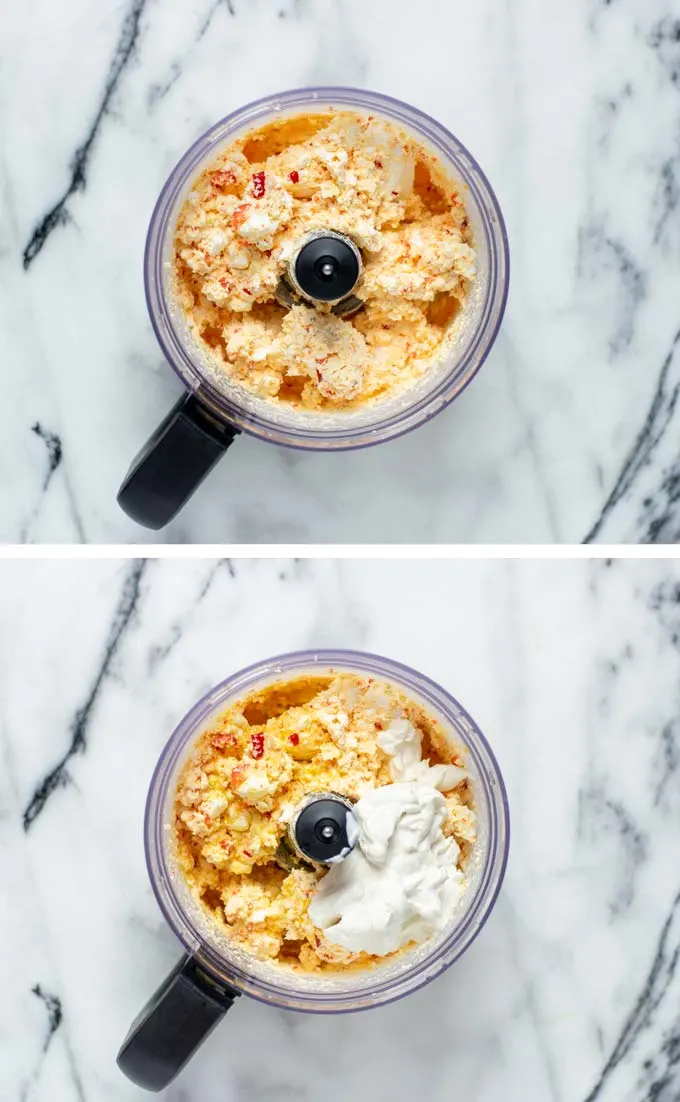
[[571, 992], [573, 108]]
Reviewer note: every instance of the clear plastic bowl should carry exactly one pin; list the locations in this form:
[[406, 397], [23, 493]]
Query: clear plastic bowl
[[329, 993], [478, 323]]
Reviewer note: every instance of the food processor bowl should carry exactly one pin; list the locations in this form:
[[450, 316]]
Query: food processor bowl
[[214, 972], [216, 409]]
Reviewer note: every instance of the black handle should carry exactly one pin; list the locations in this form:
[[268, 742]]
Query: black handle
[[174, 461], [174, 1022]]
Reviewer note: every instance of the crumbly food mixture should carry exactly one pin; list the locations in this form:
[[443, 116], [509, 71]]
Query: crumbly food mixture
[[244, 220], [244, 779]]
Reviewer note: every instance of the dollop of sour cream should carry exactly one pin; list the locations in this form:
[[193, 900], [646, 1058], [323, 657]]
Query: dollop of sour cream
[[402, 742], [401, 882]]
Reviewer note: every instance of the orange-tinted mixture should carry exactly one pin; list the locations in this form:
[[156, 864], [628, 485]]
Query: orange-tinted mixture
[[244, 219]]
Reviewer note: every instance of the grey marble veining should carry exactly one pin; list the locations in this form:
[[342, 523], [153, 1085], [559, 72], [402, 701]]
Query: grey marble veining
[[569, 433], [570, 993]]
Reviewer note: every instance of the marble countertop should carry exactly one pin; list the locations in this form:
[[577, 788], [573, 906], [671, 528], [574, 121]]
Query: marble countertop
[[570, 993], [573, 109]]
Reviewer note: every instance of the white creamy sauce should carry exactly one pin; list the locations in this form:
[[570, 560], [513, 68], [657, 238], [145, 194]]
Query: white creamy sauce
[[402, 742], [401, 882]]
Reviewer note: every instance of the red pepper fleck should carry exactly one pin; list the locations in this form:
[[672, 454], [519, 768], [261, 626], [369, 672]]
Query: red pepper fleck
[[379, 725], [294, 176], [319, 375], [237, 775], [246, 291], [257, 745], [378, 164], [317, 941], [295, 739], [240, 214], [268, 252], [258, 185], [247, 853], [223, 740], [222, 177]]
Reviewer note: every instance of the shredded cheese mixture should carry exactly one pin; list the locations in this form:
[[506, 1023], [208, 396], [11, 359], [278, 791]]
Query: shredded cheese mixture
[[244, 219], [249, 772]]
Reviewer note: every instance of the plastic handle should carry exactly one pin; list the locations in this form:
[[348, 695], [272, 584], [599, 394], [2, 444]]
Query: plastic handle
[[174, 461], [172, 1025]]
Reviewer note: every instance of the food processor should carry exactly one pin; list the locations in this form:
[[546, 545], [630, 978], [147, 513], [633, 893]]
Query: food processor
[[213, 971], [326, 268]]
